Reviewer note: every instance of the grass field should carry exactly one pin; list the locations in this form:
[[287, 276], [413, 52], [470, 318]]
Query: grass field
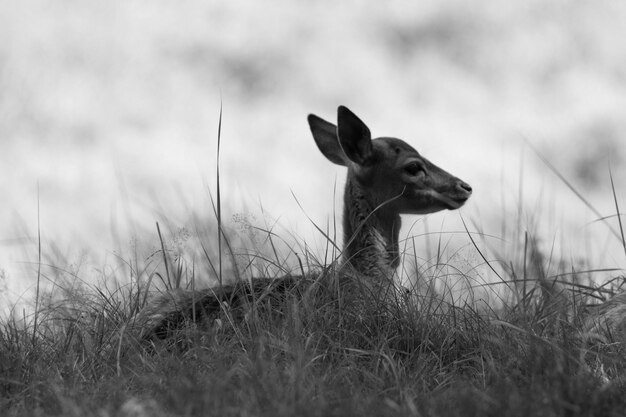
[[437, 353]]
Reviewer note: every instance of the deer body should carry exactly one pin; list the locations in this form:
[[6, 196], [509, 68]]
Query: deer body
[[386, 178]]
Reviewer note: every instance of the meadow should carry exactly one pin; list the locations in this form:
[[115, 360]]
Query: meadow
[[439, 352]]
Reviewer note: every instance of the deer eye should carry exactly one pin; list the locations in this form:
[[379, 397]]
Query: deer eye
[[414, 169]]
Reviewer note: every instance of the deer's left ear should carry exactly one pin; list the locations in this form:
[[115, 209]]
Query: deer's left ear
[[355, 137], [325, 135]]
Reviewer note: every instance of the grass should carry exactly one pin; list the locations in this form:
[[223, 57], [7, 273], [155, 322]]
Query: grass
[[75, 355], [319, 354]]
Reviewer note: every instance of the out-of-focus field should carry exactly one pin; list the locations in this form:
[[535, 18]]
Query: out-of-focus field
[[111, 110]]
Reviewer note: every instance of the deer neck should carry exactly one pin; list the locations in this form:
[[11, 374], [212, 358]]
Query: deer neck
[[370, 234]]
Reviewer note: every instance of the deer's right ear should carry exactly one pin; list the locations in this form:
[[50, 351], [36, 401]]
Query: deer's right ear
[[325, 135], [355, 137]]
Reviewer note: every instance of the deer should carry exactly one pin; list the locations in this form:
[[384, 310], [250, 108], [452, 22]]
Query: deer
[[386, 178]]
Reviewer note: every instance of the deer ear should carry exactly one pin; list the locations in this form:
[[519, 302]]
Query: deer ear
[[355, 137], [325, 135]]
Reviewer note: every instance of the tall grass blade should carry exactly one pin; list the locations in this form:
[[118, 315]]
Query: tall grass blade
[[219, 198], [167, 269], [619, 216], [571, 187], [482, 255], [319, 229], [38, 269]]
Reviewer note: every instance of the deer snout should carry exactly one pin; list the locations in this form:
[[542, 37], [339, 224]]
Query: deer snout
[[464, 187], [463, 191]]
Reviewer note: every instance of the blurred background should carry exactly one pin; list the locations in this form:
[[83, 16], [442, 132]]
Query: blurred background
[[109, 115]]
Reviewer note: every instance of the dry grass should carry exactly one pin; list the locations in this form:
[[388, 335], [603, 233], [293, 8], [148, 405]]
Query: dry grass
[[316, 355], [314, 352]]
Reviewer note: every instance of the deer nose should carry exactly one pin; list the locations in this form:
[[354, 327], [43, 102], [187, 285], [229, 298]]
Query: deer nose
[[464, 186]]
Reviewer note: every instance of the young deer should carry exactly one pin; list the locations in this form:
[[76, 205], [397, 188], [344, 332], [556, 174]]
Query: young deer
[[386, 178]]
